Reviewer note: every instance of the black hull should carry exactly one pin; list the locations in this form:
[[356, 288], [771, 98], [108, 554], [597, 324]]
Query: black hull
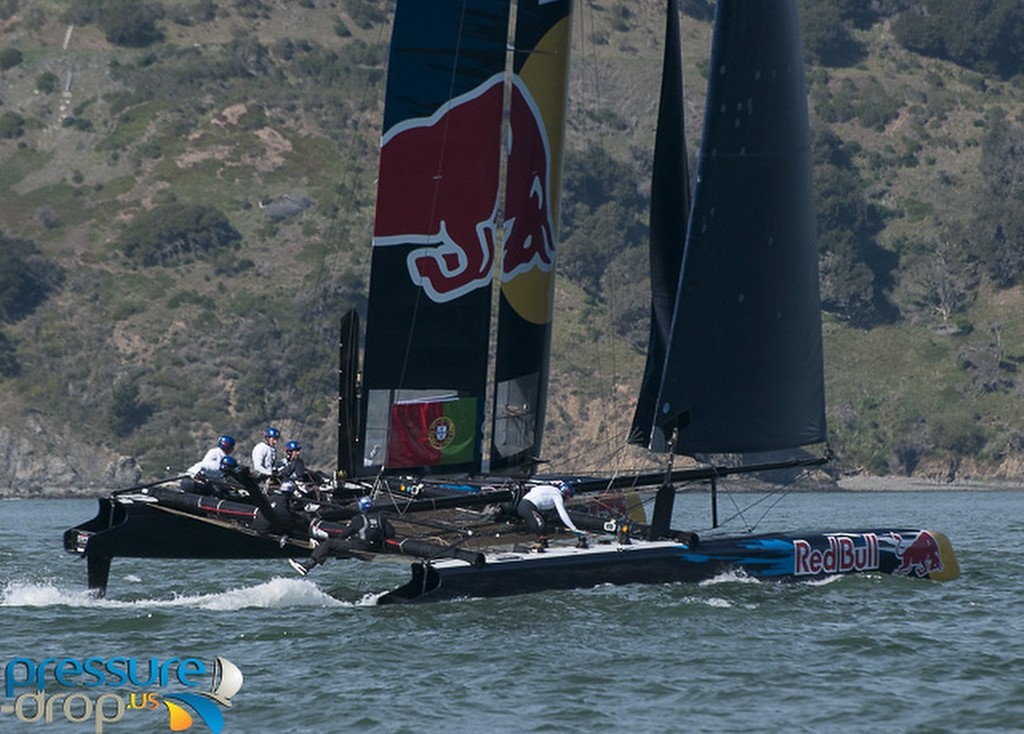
[[154, 530], [898, 552], [144, 528], [167, 523]]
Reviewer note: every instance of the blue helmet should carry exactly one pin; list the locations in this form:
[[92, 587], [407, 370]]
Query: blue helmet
[[293, 446], [566, 489], [229, 465], [271, 432], [365, 503], [226, 443]]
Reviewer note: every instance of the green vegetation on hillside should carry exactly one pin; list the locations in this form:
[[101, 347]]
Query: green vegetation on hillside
[[187, 192]]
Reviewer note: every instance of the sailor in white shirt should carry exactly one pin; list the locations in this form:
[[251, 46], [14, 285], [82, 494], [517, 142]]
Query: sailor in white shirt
[[209, 465], [536, 503], [264, 454]]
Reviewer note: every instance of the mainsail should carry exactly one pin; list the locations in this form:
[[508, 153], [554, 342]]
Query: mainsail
[[436, 231], [743, 370], [429, 311]]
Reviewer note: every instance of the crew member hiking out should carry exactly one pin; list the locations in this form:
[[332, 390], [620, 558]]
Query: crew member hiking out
[[278, 511], [367, 531]]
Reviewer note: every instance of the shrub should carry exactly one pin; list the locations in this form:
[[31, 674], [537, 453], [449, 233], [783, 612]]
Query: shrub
[[47, 82], [130, 23], [9, 58], [173, 233], [12, 125], [26, 278]]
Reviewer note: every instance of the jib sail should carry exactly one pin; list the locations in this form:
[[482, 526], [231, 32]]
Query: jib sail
[[744, 370]]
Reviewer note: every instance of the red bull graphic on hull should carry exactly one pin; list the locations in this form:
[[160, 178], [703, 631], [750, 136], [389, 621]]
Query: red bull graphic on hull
[[920, 557], [443, 192], [916, 553], [843, 555]]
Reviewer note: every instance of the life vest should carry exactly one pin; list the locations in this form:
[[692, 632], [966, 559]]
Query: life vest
[[372, 531]]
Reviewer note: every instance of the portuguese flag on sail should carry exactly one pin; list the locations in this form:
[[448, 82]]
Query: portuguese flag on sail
[[432, 433]]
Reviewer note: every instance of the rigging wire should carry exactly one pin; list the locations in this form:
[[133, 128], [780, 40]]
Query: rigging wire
[[335, 256]]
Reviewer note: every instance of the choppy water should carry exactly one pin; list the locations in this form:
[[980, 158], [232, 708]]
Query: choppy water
[[861, 654]]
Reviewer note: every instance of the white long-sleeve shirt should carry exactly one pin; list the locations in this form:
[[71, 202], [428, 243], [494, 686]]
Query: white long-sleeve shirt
[[209, 464], [546, 496], [264, 459]]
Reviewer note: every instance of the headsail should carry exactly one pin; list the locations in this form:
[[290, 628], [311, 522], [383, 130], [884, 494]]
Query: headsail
[[670, 211], [744, 369]]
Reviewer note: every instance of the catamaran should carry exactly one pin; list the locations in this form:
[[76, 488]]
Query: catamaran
[[467, 212]]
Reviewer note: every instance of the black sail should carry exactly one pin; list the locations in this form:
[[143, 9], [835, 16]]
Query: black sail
[[670, 210], [744, 369]]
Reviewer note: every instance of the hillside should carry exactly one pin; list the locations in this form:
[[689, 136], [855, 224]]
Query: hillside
[[188, 216]]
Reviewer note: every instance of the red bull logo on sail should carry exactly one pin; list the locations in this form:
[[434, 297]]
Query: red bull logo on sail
[[843, 555], [529, 229], [440, 184]]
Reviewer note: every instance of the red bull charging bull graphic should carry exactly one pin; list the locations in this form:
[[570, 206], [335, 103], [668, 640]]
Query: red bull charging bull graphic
[[920, 557], [448, 204]]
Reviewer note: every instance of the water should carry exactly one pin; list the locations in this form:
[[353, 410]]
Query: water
[[733, 655]]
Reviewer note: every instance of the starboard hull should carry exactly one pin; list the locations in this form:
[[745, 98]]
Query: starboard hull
[[775, 557]]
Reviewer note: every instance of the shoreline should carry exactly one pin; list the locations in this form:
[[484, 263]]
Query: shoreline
[[868, 483]]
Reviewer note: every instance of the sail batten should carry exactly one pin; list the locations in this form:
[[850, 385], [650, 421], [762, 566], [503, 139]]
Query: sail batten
[[743, 371]]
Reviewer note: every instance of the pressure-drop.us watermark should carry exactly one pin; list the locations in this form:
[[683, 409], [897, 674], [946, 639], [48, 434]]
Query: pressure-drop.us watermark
[[97, 691]]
